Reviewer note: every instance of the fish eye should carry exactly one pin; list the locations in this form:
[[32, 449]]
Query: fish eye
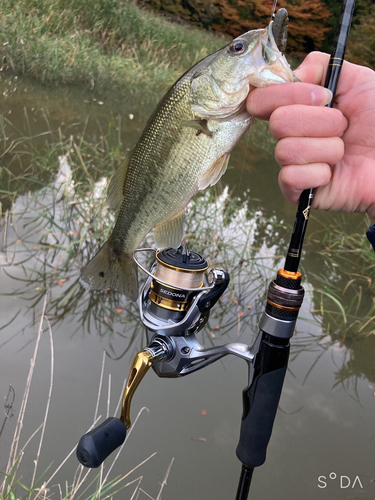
[[238, 47]]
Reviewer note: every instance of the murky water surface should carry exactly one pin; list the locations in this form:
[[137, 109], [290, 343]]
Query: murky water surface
[[323, 442]]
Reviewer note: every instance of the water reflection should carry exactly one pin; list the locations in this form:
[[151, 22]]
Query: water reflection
[[49, 235]]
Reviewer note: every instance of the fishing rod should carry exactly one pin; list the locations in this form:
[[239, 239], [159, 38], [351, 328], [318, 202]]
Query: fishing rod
[[332, 78], [284, 299], [174, 306]]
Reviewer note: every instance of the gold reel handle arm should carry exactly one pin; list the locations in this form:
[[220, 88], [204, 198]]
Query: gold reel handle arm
[[141, 363], [97, 444]]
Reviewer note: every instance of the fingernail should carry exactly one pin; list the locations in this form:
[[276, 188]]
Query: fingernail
[[321, 96]]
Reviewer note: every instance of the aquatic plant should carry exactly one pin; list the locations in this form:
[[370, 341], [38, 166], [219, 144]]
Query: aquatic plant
[[55, 218], [344, 290]]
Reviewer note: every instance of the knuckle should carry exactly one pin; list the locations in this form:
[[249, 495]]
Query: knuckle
[[338, 122], [284, 152], [287, 178], [278, 122]]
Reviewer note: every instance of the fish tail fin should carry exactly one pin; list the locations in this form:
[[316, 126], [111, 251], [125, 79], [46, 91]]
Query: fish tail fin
[[108, 269]]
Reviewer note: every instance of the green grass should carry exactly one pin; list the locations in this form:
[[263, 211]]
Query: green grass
[[344, 289], [98, 44]]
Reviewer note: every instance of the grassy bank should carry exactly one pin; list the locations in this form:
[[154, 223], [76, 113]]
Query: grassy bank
[[111, 44], [105, 43]]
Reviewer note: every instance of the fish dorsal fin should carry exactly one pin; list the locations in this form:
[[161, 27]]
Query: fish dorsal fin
[[115, 190], [171, 232], [213, 174]]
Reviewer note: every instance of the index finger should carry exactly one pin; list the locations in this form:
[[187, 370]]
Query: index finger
[[262, 102]]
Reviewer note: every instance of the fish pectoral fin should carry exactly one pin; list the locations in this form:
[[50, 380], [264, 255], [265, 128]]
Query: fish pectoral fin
[[199, 124], [213, 174], [171, 232], [115, 190]]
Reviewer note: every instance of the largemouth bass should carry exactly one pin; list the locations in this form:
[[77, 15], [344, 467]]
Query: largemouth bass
[[183, 149]]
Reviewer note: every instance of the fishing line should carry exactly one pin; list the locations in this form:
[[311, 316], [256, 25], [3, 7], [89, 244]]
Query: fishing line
[[243, 162], [273, 10]]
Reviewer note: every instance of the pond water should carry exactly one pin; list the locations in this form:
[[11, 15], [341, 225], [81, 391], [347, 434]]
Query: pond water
[[323, 441]]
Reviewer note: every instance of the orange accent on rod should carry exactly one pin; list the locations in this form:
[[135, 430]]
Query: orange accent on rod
[[282, 307], [289, 274]]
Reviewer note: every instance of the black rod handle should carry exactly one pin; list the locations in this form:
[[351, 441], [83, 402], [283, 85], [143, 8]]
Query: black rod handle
[[261, 400]]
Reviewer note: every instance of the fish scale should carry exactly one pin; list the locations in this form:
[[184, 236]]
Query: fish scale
[[184, 148], [160, 143]]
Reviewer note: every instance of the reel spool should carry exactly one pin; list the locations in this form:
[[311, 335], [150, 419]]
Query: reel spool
[[177, 278]]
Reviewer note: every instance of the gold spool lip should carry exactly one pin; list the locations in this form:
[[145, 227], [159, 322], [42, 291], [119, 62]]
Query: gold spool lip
[[179, 269], [289, 274], [173, 305], [162, 281]]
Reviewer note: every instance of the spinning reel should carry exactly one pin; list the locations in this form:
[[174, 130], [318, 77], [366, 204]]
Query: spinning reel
[[174, 306]]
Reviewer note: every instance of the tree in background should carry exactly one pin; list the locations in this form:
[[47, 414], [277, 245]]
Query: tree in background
[[309, 20], [312, 23], [334, 6], [361, 42]]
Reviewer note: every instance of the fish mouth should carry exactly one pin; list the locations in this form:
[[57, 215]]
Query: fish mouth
[[251, 60], [262, 65], [273, 67]]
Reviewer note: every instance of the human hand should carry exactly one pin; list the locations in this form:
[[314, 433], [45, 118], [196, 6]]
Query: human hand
[[332, 149]]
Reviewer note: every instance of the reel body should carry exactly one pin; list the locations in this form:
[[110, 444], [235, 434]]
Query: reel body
[[174, 323]]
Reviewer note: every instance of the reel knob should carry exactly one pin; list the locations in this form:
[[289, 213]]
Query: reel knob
[[95, 446]]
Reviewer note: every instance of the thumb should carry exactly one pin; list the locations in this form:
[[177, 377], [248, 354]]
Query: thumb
[[313, 69]]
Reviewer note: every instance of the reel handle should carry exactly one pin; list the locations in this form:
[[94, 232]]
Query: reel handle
[[95, 446]]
